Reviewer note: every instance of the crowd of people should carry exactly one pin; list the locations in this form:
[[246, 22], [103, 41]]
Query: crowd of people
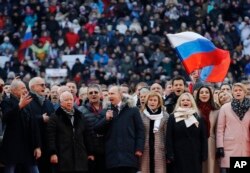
[[127, 108], [123, 41], [110, 129]]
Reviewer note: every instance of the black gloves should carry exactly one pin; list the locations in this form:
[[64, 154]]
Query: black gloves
[[220, 152]]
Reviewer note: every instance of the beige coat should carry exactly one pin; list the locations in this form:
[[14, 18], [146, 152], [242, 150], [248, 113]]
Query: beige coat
[[211, 165], [232, 134], [160, 148]]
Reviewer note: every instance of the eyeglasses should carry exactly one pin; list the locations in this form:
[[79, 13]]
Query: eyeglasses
[[41, 84], [93, 92]]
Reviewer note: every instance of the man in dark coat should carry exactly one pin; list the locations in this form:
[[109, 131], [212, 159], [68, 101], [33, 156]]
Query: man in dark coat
[[178, 87], [21, 141], [43, 108], [124, 134], [91, 110], [69, 141]]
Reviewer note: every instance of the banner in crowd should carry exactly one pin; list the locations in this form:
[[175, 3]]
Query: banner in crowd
[[3, 60], [55, 75], [56, 72], [197, 52], [71, 59]]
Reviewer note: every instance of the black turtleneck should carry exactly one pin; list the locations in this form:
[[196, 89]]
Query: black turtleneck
[[152, 140]]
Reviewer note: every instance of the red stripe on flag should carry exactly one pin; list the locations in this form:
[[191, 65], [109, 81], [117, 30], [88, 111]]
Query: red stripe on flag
[[200, 60]]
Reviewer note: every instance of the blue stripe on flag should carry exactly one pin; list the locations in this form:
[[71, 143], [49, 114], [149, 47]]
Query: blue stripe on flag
[[27, 36], [205, 72], [193, 47]]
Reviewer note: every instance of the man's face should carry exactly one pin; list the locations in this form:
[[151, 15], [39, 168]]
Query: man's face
[[20, 90], [248, 90], [124, 90], [53, 93], [39, 87], [72, 87], [6, 89], [114, 95], [94, 95], [195, 75], [47, 93], [168, 89], [178, 87], [105, 94], [67, 102], [143, 98], [226, 88], [157, 88]]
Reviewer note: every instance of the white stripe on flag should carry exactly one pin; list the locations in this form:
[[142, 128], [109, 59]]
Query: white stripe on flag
[[183, 37]]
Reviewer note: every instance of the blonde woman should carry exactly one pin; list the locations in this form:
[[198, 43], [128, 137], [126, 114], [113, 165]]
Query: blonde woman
[[186, 137], [224, 97], [233, 128], [154, 119]]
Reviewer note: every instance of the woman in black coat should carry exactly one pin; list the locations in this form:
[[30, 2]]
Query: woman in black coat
[[69, 142], [186, 137]]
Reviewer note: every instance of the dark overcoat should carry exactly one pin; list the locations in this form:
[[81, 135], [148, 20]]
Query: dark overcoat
[[70, 142], [40, 109], [21, 135], [186, 147], [92, 119], [124, 135]]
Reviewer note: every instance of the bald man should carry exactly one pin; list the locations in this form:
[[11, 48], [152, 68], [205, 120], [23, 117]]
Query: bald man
[[43, 108], [69, 141], [124, 133], [21, 141]]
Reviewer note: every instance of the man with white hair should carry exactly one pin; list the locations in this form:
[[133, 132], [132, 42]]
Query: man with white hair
[[43, 108], [157, 88], [21, 141], [69, 141]]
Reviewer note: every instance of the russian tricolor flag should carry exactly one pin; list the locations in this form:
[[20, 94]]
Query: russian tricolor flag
[[197, 52], [26, 43]]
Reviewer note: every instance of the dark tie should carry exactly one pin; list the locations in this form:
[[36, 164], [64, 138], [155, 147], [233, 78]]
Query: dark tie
[[116, 109]]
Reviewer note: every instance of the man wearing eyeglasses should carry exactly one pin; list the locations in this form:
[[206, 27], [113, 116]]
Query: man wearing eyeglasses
[[91, 109], [43, 109]]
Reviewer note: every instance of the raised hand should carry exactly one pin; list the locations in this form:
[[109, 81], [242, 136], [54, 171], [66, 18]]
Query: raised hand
[[24, 100]]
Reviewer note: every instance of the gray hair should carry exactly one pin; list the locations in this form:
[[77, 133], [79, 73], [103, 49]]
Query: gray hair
[[144, 91], [15, 84], [62, 89], [96, 86], [64, 94], [33, 81]]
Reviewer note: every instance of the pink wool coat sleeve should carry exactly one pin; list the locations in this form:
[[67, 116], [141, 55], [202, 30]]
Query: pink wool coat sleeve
[[232, 134]]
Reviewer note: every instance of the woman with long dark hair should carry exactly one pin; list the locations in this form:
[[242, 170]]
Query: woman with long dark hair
[[208, 109]]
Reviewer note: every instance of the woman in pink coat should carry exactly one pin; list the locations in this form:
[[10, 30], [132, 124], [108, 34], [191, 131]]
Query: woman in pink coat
[[233, 136]]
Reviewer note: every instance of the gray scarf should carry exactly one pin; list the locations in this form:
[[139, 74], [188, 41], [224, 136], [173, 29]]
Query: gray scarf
[[41, 99]]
